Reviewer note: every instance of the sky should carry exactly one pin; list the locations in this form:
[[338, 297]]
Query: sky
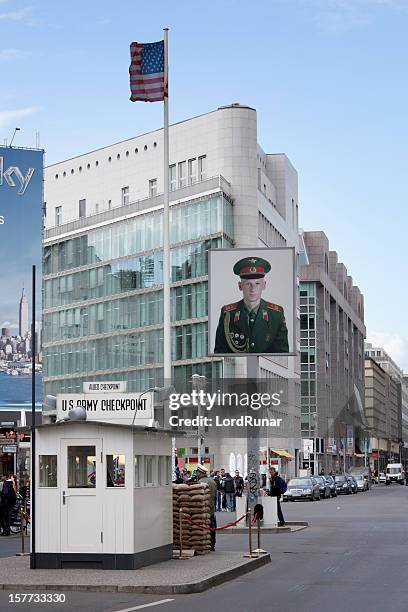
[[328, 79]]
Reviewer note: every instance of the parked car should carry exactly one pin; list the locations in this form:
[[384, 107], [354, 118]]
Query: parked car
[[330, 481], [362, 483], [323, 486], [365, 472], [353, 482], [343, 485], [302, 488], [380, 479]]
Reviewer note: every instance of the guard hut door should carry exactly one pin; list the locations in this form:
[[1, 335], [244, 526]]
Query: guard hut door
[[81, 493]]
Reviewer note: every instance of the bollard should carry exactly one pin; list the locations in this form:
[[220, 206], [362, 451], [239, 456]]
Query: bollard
[[250, 555], [180, 554], [22, 553], [181, 531], [259, 550]]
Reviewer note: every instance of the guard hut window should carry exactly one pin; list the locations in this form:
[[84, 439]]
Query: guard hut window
[[48, 470], [115, 470], [164, 470], [81, 467], [150, 471], [139, 480]]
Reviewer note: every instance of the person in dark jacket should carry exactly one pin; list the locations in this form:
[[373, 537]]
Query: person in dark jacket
[[239, 486], [229, 490], [277, 488], [7, 501]]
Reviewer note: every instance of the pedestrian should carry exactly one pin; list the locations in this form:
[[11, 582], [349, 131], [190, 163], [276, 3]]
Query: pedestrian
[[217, 480], [228, 487], [7, 501], [202, 476], [223, 498], [239, 486], [277, 489]]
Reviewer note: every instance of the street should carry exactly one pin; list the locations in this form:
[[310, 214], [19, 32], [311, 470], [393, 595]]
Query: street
[[352, 556]]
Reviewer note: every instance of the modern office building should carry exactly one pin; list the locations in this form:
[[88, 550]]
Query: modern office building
[[383, 408], [332, 336], [103, 300], [380, 355]]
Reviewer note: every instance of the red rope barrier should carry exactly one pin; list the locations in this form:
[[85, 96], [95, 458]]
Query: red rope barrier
[[213, 528]]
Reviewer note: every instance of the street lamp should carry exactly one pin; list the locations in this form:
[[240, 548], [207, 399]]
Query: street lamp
[[199, 381], [162, 394]]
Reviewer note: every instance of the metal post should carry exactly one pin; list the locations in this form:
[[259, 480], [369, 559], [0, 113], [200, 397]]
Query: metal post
[[252, 440], [259, 550], [181, 532], [166, 224], [33, 449]]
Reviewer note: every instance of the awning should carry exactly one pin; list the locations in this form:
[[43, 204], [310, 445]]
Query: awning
[[282, 453]]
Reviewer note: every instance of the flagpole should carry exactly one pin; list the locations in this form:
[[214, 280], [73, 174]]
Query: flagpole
[[166, 225]]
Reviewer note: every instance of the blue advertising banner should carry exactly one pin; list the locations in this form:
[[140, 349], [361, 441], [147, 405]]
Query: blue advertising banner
[[21, 203]]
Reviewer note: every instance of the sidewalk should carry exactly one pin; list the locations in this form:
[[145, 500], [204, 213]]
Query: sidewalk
[[170, 577]]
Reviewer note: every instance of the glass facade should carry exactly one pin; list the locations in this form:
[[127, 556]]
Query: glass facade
[[307, 303], [103, 298]]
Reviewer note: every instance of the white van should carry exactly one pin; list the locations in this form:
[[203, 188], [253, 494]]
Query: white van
[[394, 473]]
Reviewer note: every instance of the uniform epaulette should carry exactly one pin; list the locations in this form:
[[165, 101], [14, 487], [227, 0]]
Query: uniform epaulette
[[229, 307], [273, 306]]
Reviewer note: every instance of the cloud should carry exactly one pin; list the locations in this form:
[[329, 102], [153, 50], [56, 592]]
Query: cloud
[[9, 116], [340, 16], [395, 345], [15, 15], [7, 55]]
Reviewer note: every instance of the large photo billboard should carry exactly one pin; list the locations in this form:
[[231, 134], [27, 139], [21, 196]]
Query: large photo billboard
[[252, 306], [21, 204]]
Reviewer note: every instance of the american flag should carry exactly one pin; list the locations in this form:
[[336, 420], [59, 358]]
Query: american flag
[[147, 72]]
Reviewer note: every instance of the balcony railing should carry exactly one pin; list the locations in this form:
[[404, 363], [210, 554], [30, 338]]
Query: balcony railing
[[210, 184]]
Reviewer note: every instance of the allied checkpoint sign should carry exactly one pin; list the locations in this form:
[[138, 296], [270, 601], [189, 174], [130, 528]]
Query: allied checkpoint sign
[[252, 301], [116, 408], [21, 225]]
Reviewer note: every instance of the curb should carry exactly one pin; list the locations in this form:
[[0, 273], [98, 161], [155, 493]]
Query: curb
[[165, 589]]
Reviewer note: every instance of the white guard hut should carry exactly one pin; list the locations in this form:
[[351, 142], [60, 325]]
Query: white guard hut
[[103, 495]]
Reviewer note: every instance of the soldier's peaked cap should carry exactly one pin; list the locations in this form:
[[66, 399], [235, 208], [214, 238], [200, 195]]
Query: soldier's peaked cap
[[252, 267]]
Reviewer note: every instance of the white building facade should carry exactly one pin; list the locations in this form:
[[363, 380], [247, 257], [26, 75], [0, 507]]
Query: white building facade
[[103, 300]]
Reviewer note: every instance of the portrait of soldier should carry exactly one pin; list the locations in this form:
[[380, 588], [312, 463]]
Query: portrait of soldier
[[252, 325]]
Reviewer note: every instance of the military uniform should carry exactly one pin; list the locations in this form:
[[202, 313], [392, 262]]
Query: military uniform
[[261, 330], [239, 331]]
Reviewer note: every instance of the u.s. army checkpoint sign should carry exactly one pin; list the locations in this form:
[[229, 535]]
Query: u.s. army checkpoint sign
[[118, 408]]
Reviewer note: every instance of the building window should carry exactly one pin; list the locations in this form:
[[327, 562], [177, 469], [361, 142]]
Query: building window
[[192, 171], [152, 188], [115, 470], [173, 177], [125, 196], [202, 168], [82, 208], [58, 215], [48, 470], [182, 174]]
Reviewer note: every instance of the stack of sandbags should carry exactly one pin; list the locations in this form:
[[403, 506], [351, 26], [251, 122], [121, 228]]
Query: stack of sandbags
[[194, 500], [180, 496]]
